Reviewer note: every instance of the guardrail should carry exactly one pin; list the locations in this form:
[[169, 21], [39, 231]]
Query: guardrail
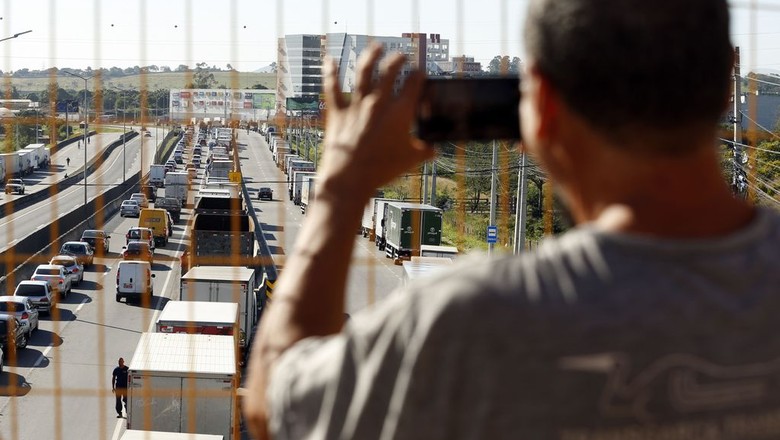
[[270, 274]]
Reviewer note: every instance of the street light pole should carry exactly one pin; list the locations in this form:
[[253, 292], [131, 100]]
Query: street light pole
[[86, 128]]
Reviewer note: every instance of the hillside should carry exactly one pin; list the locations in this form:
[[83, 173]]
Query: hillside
[[154, 81]]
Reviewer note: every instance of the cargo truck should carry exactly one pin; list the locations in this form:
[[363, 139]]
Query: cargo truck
[[219, 239], [379, 222], [157, 175], [296, 185], [408, 226], [279, 155], [219, 201], [418, 268], [184, 383], [132, 434], [308, 190], [225, 284], [368, 222], [220, 168], [199, 317], [176, 186]]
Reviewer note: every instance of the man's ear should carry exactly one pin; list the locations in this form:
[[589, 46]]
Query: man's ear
[[547, 107]]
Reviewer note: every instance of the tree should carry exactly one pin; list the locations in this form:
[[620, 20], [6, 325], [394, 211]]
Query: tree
[[182, 68], [501, 64], [165, 69], [259, 86], [203, 78]]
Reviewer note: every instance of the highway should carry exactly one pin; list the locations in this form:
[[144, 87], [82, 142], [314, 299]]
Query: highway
[[59, 388]]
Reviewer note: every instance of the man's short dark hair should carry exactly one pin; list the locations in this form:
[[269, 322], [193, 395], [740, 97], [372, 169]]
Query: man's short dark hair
[[635, 64]]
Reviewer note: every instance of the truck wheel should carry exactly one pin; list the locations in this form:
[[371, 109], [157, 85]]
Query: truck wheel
[[118, 298]]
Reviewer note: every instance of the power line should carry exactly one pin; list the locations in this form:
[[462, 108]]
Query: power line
[[759, 80]]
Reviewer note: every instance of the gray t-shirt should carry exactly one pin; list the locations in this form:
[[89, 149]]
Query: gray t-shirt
[[594, 336]]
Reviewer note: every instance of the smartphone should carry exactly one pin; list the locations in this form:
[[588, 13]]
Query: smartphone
[[469, 109]]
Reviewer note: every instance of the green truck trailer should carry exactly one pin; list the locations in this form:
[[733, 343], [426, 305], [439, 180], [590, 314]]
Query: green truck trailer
[[408, 226]]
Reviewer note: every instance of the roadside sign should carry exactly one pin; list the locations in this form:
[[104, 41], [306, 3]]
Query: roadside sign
[[492, 234]]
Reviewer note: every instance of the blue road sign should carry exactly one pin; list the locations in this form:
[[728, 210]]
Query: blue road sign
[[492, 234]]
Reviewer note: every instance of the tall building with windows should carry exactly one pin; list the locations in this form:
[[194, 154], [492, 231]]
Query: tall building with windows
[[299, 59]]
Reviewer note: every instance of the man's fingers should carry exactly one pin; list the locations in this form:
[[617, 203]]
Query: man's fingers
[[364, 81], [333, 97], [391, 66]]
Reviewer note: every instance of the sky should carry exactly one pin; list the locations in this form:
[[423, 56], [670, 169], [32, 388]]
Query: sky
[[107, 33]]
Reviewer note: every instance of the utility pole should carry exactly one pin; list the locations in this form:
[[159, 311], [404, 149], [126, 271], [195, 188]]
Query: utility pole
[[493, 191], [520, 208], [738, 179], [433, 183], [425, 183]]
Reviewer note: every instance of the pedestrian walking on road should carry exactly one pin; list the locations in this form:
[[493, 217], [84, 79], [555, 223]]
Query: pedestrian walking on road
[[67, 161], [119, 386], [79, 145]]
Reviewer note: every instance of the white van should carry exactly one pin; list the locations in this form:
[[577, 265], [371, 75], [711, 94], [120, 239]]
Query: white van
[[134, 281]]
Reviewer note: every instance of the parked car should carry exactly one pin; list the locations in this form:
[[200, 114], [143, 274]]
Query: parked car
[[99, 240], [143, 202], [55, 275], [15, 186], [138, 250], [12, 334], [23, 309], [79, 249], [39, 293], [140, 234], [130, 208], [265, 193], [196, 161], [72, 267]]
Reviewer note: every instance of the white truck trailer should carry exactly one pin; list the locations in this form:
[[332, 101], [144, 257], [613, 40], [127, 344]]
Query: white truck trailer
[[224, 284], [157, 175], [184, 383], [199, 317], [307, 192], [176, 186], [296, 185], [132, 434]]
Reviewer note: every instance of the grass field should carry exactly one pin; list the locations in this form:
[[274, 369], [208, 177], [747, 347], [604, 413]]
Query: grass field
[[154, 81]]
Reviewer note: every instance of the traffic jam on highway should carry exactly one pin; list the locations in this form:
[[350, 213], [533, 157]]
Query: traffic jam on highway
[[185, 246]]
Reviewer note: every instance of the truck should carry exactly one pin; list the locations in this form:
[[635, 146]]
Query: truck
[[225, 284], [176, 186], [220, 168], [39, 155], [308, 187], [296, 185], [279, 155], [179, 382], [369, 219], [420, 267], [133, 434], [25, 162], [199, 317], [219, 202], [379, 222], [298, 164], [157, 175], [427, 250], [408, 226], [219, 239]]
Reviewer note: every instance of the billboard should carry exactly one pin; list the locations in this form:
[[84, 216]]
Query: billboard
[[304, 103], [263, 101]]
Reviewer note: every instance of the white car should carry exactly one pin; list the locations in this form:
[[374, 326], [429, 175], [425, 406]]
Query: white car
[[72, 267], [54, 274], [130, 208], [143, 202], [24, 310]]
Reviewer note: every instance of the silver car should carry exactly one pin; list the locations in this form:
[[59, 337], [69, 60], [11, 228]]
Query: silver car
[[130, 208], [24, 310], [72, 267], [55, 275], [38, 292]]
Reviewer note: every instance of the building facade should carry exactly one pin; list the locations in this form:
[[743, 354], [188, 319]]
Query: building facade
[[227, 104], [300, 57]]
